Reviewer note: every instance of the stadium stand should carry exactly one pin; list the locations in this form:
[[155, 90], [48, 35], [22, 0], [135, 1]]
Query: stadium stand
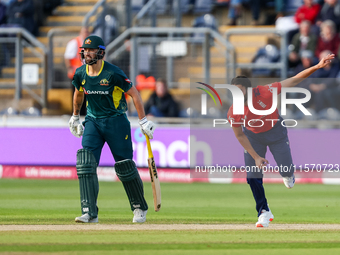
[[69, 14]]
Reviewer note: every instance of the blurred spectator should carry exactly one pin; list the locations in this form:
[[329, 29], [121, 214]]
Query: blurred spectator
[[279, 12], [21, 12], [309, 11], [222, 2], [265, 55], [39, 15], [330, 11], [307, 60], [50, 5], [323, 83], [2, 13], [279, 8], [106, 28], [304, 40], [256, 9], [143, 83], [235, 9], [328, 39], [72, 58], [234, 13], [207, 20], [161, 103], [7, 2], [333, 96], [284, 8]]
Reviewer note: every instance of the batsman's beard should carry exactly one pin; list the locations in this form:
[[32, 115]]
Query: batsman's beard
[[91, 61]]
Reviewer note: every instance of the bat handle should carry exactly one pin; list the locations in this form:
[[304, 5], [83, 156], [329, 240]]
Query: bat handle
[[149, 146]]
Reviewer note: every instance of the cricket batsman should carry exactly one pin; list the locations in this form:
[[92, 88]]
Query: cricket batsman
[[256, 139], [104, 85]]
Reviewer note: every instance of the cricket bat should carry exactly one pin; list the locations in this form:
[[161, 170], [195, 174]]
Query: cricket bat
[[155, 184]]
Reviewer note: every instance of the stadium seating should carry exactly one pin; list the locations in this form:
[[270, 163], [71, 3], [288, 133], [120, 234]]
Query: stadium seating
[[203, 6], [9, 111], [185, 6], [329, 114], [292, 5], [137, 5], [71, 14], [161, 6], [31, 111]]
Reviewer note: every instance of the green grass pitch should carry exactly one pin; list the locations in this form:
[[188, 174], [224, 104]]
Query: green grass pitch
[[57, 202]]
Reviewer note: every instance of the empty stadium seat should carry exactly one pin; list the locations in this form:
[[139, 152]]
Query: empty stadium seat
[[161, 6], [185, 5], [31, 111], [265, 55], [137, 5], [203, 6], [188, 113], [206, 20], [329, 114], [9, 111], [314, 115]]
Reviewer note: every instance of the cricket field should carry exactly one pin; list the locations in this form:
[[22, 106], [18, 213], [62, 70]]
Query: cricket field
[[37, 217]]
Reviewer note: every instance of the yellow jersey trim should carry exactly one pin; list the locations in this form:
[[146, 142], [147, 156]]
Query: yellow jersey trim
[[101, 69], [117, 95]]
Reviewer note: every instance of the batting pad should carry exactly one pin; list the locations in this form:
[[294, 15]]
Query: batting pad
[[88, 182], [127, 173]]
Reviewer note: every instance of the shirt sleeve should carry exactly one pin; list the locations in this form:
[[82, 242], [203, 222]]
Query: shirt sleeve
[[278, 86], [123, 82], [76, 81], [297, 15], [234, 120], [269, 88]]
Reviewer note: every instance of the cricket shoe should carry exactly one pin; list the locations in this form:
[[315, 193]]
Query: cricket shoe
[[139, 216], [86, 218], [264, 219], [289, 181]]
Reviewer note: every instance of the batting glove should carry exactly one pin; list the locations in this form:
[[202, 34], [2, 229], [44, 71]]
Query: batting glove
[[76, 128], [147, 127]]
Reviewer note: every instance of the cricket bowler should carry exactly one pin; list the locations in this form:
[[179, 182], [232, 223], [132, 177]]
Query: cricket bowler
[[105, 86], [255, 140]]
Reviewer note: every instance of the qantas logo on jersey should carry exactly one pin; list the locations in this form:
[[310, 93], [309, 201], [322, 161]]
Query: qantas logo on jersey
[[127, 80], [92, 92]]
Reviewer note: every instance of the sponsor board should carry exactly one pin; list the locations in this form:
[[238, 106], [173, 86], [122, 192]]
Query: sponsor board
[[172, 147], [164, 175]]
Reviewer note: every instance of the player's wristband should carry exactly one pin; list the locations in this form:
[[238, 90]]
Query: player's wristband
[[143, 121], [75, 116]]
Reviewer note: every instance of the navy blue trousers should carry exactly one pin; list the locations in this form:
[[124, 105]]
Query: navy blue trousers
[[277, 141]]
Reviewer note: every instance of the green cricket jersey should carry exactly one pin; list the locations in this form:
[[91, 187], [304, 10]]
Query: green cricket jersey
[[105, 92]]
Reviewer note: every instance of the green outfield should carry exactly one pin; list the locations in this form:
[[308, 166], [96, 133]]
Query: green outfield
[[45, 202]]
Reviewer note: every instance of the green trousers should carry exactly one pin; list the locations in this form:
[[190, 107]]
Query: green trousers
[[116, 131]]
